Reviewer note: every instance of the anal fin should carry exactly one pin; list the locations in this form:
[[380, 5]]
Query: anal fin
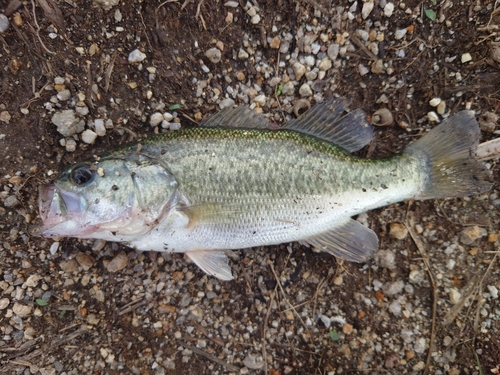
[[350, 241], [213, 262]]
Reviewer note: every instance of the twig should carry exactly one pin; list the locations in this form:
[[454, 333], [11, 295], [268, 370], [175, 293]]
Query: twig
[[264, 328], [38, 29], [158, 8], [284, 296], [211, 357], [489, 150], [410, 224], [364, 49], [132, 306], [109, 71]]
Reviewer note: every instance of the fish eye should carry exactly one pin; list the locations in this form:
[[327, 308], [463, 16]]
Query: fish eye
[[82, 175]]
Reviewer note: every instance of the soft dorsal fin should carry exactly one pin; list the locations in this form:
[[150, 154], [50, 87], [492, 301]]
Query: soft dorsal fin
[[240, 117], [350, 241], [327, 121]]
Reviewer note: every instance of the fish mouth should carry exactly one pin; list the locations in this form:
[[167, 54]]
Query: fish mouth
[[56, 206]]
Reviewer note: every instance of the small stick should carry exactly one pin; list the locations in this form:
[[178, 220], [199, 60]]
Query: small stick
[[410, 223], [211, 357], [489, 150]]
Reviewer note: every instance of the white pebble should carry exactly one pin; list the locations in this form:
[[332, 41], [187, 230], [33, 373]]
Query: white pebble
[[100, 129], [89, 136], [400, 33], [242, 54], [493, 291], [388, 9], [432, 116], [155, 119], [168, 116], [367, 9], [226, 103], [454, 296], [53, 248], [363, 70], [4, 23], [70, 145], [441, 108], [214, 55], [231, 4], [255, 19], [325, 64], [309, 60], [175, 125], [333, 51], [466, 57], [434, 102], [118, 15], [136, 56], [451, 264], [64, 95], [299, 70], [305, 90], [260, 100]]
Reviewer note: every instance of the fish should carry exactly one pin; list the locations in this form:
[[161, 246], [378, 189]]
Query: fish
[[235, 182]]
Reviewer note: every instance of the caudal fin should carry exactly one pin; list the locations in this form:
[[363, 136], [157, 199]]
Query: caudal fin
[[448, 152]]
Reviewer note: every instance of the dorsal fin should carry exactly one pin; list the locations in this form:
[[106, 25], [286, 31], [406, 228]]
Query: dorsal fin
[[240, 117], [327, 121]]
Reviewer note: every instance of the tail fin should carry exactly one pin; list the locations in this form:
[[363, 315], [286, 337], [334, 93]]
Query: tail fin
[[449, 153]]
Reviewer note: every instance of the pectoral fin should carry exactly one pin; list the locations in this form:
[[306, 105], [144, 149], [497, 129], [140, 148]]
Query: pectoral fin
[[351, 241], [213, 262]]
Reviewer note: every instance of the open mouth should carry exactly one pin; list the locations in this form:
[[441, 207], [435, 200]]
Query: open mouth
[[55, 207]]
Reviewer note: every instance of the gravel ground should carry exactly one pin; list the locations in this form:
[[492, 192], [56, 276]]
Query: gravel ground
[[80, 77]]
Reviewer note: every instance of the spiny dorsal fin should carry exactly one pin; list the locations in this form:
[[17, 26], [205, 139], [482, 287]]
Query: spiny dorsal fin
[[351, 241], [240, 117], [327, 121]]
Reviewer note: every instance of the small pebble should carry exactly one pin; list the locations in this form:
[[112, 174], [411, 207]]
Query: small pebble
[[466, 57], [388, 9], [214, 55], [4, 302], [5, 117], [254, 362], [470, 234], [299, 70], [155, 119], [441, 108], [434, 102], [400, 33], [398, 230], [100, 129], [493, 291], [305, 90], [275, 43], [333, 51], [454, 296], [367, 9], [136, 56], [325, 64], [64, 95], [21, 310], [432, 116], [242, 54], [89, 136], [4, 23], [118, 263]]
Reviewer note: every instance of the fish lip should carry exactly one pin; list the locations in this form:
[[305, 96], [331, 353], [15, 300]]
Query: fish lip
[[55, 207]]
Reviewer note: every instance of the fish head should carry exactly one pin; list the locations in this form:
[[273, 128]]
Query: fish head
[[114, 198]]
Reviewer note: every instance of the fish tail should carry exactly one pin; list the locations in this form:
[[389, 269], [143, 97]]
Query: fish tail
[[448, 153]]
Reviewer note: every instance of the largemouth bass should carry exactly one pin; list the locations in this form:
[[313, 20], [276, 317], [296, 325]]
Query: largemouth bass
[[235, 182]]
